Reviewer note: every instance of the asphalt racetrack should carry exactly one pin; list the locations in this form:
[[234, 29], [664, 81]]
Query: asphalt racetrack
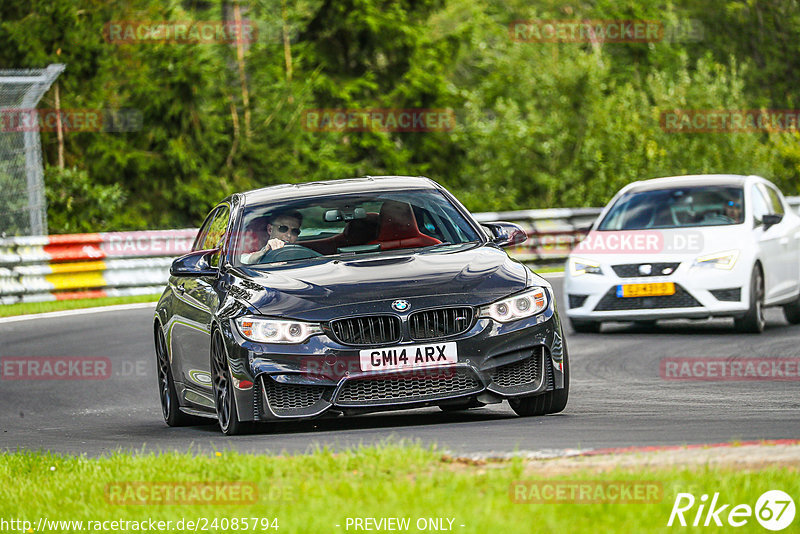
[[618, 397]]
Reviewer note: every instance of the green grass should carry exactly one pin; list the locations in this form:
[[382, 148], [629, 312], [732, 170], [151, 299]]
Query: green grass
[[315, 492], [549, 269], [25, 308]]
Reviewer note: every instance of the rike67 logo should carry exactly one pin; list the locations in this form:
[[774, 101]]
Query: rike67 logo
[[774, 510]]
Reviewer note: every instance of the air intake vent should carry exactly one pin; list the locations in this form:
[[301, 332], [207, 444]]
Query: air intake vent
[[576, 301], [632, 270], [287, 399], [681, 299], [733, 294], [426, 386], [443, 322], [519, 373], [370, 330]]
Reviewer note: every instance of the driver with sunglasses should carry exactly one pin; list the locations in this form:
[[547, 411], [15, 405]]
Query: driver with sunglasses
[[284, 228]]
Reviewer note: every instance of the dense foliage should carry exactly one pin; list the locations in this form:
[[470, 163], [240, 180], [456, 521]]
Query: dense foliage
[[537, 124]]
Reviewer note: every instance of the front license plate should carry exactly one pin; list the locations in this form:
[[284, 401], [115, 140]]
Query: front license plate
[[646, 290], [408, 357]]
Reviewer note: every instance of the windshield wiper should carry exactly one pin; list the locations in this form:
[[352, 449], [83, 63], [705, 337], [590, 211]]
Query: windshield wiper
[[448, 243]]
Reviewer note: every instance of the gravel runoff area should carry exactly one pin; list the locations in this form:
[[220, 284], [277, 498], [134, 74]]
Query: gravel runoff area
[[740, 456]]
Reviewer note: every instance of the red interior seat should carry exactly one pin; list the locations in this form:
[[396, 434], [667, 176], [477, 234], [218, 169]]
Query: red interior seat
[[355, 232], [398, 228]]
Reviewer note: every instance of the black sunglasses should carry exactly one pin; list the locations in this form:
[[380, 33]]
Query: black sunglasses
[[283, 229]]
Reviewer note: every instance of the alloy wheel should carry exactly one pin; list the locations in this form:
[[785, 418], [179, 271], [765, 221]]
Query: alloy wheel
[[163, 375], [221, 381]]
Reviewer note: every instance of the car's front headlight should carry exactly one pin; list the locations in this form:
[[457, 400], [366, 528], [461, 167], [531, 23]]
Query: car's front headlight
[[720, 260], [579, 266], [265, 330], [526, 304]]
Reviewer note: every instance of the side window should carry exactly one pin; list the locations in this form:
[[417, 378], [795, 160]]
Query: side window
[[216, 230], [759, 202], [201, 235], [216, 233], [426, 224], [774, 200]]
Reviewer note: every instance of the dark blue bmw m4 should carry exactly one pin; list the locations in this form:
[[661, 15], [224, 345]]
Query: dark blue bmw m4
[[351, 296]]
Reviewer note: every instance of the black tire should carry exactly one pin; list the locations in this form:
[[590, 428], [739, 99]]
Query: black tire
[[551, 402], [792, 312], [224, 399], [167, 393], [585, 327], [753, 321]]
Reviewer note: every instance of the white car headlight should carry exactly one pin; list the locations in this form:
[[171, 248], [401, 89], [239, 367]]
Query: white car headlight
[[519, 306], [579, 266], [265, 330], [720, 260]]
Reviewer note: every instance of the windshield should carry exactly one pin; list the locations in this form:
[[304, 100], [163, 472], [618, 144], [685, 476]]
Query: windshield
[[676, 208], [350, 224]]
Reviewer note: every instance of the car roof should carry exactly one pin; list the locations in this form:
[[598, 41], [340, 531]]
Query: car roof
[[696, 180], [365, 184]]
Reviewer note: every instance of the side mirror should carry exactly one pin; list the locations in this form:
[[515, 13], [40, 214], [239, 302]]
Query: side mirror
[[506, 234], [196, 263], [771, 219]]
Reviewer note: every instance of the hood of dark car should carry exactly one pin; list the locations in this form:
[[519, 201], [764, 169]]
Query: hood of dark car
[[321, 288]]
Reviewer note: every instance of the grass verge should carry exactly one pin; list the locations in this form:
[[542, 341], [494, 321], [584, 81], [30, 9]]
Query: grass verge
[[24, 308], [548, 269], [318, 491]]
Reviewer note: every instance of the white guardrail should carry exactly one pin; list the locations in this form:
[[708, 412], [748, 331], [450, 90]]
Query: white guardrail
[[78, 266]]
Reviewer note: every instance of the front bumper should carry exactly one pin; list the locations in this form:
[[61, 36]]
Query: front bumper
[[700, 293], [495, 362]]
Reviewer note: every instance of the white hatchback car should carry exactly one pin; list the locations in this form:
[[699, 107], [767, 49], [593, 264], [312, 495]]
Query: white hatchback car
[[688, 247]]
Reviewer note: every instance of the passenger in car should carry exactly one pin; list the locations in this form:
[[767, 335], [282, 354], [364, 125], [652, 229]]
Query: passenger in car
[[254, 236]]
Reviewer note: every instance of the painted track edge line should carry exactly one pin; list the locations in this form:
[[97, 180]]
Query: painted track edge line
[[79, 311]]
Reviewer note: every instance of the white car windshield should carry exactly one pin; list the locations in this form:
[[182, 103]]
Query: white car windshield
[[682, 207]]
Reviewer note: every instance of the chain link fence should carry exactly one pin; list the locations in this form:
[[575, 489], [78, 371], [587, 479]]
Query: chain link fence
[[23, 207]]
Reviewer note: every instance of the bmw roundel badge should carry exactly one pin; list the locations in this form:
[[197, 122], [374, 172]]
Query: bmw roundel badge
[[401, 305]]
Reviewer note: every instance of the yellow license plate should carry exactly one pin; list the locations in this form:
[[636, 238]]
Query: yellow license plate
[[646, 290]]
